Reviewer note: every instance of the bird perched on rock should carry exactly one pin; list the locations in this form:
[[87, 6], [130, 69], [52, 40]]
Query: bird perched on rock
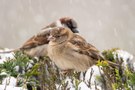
[[71, 51], [37, 45]]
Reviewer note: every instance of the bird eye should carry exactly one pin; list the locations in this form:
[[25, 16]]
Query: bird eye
[[58, 36]]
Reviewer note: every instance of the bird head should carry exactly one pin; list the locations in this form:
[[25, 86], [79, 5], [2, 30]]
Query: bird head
[[60, 34], [64, 22], [69, 23]]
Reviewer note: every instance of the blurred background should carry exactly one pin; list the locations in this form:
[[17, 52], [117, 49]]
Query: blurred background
[[104, 23]]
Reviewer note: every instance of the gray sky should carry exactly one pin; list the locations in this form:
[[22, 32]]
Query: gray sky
[[103, 23]]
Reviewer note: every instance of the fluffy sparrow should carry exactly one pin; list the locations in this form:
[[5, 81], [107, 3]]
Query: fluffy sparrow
[[71, 51], [37, 45]]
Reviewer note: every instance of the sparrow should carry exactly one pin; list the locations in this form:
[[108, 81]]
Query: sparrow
[[70, 51], [36, 46], [66, 22]]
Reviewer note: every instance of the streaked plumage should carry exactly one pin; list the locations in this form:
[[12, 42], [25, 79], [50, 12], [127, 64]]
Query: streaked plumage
[[71, 51]]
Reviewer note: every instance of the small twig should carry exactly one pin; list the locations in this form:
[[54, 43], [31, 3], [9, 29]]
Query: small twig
[[5, 85], [91, 73], [95, 85]]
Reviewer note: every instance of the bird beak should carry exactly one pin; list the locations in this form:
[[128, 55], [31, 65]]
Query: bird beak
[[51, 38], [75, 31]]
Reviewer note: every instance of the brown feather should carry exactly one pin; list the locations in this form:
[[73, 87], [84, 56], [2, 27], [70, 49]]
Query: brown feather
[[71, 51], [40, 39]]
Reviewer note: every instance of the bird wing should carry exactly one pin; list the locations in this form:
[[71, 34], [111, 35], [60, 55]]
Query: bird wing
[[40, 38], [80, 45]]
